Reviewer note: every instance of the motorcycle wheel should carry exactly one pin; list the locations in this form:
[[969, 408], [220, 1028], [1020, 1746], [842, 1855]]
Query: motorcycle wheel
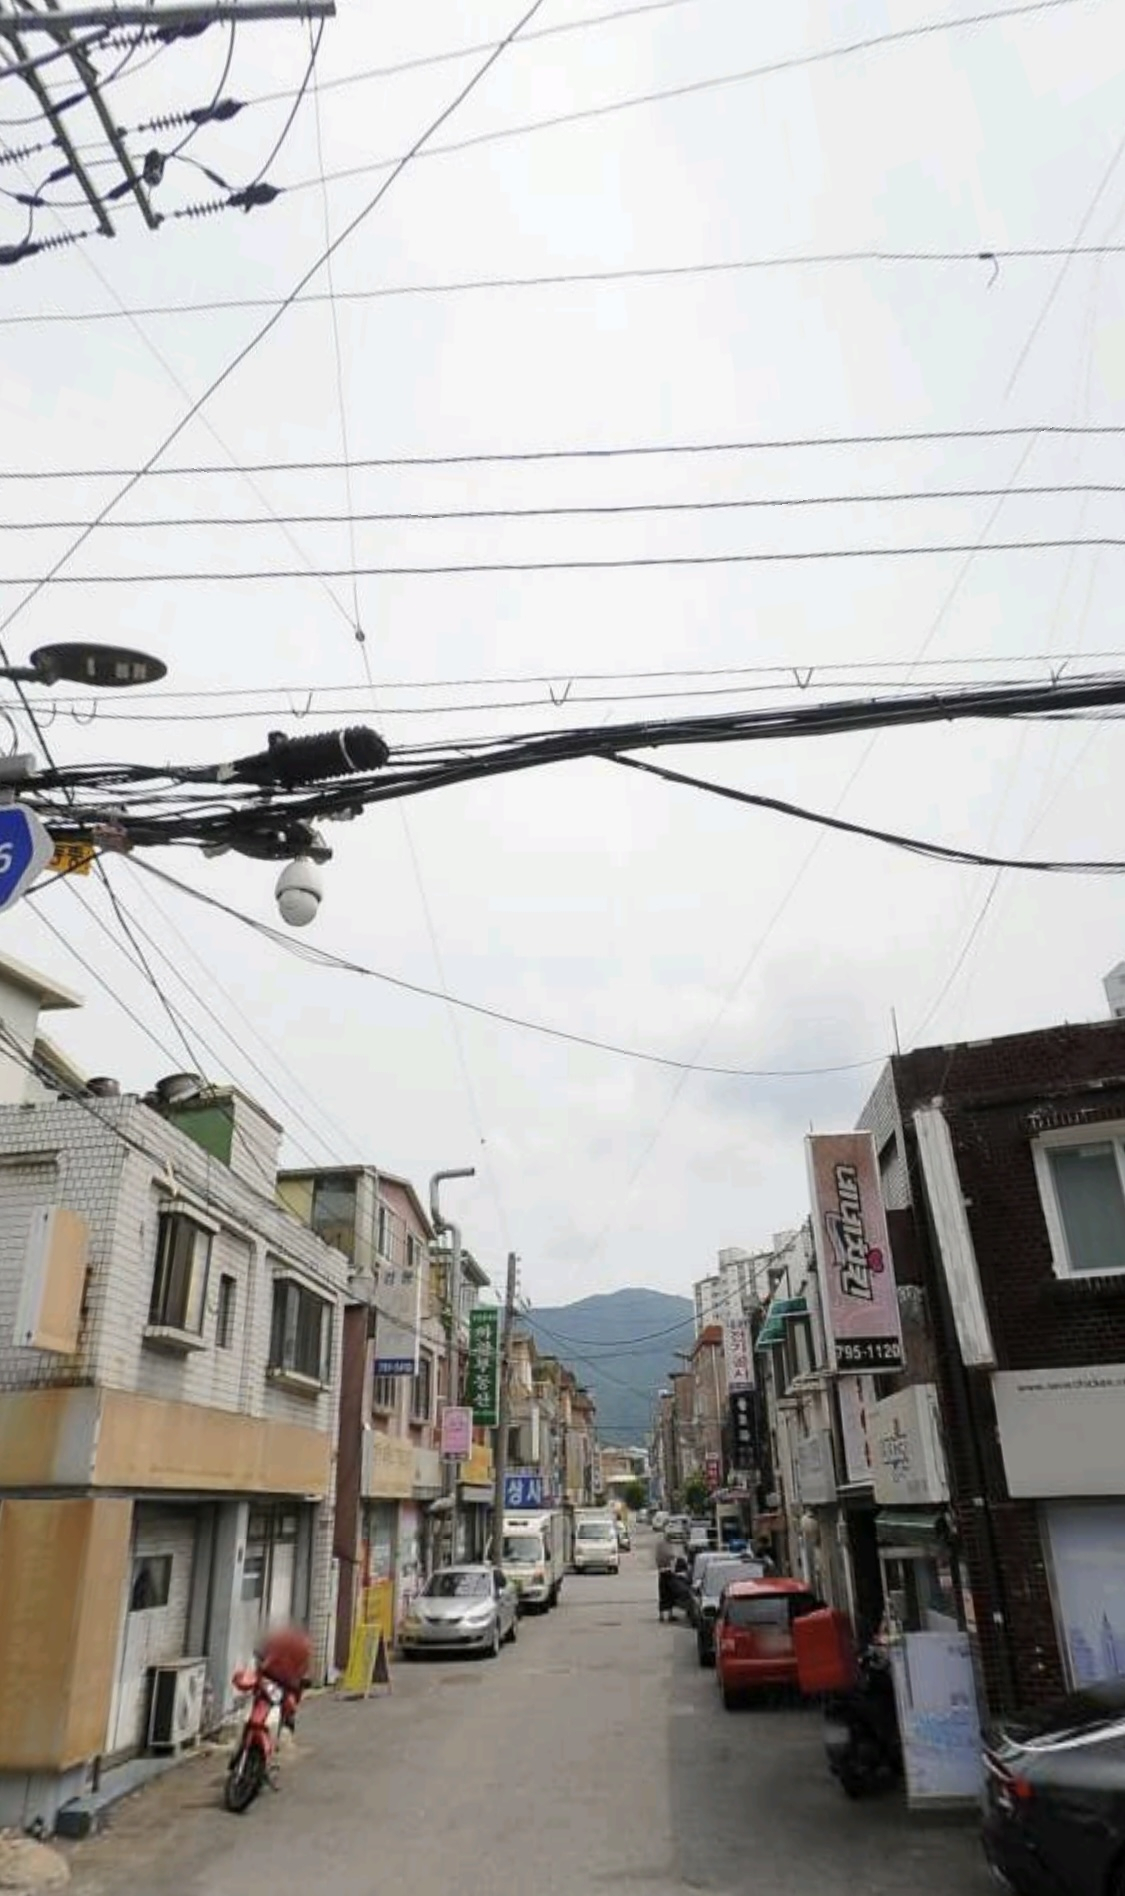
[[245, 1779], [852, 1782]]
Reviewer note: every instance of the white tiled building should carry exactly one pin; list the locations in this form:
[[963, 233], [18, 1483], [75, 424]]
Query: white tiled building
[[169, 1387]]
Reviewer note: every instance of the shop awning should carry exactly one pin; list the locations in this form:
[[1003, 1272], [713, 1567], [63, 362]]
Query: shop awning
[[912, 1527], [781, 1311]]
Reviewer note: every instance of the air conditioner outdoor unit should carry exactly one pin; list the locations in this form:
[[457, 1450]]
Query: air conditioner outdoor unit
[[177, 1703]]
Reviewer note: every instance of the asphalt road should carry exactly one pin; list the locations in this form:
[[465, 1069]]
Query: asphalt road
[[592, 1756]]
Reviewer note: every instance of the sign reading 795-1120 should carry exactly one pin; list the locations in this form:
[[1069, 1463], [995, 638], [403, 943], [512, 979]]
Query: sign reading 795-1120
[[484, 1367]]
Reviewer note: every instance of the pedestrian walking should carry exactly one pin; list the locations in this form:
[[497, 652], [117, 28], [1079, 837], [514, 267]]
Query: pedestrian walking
[[665, 1595]]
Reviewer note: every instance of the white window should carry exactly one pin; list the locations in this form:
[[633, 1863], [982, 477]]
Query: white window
[[179, 1284], [1081, 1175], [300, 1332], [384, 1393]]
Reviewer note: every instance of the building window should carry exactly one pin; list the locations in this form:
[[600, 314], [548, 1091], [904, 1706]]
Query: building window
[[333, 1210], [179, 1285], [301, 1332], [152, 1583], [388, 1239], [224, 1323], [1082, 1184], [384, 1393], [413, 1253], [421, 1400]]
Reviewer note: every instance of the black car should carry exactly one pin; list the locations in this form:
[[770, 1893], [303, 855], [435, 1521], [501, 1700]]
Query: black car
[[712, 1573], [1054, 1822]]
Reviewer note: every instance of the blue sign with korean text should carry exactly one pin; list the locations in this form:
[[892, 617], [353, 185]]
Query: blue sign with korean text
[[25, 849], [523, 1491]]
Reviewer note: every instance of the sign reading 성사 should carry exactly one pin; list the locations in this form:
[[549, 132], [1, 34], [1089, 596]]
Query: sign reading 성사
[[484, 1365], [853, 1253]]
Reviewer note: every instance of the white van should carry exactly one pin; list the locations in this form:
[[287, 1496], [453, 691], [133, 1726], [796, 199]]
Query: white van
[[534, 1556], [595, 1544]]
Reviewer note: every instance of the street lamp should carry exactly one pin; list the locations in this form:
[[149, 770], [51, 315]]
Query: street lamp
[[109, 667]]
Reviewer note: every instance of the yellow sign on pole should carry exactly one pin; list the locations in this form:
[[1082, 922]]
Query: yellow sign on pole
[[72, 859]]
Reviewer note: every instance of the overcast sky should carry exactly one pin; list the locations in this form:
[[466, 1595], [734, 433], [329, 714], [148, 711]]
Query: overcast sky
[[588, 897]]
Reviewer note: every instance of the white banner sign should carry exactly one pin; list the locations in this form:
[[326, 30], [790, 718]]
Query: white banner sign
[[739, 1355]]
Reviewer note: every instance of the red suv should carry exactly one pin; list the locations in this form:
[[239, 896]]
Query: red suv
[[754, 1634]]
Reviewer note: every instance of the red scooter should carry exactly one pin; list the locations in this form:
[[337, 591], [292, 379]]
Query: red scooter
[[275, 1684]]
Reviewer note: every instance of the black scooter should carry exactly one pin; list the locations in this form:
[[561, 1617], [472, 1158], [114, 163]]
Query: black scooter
[[861, 1736]]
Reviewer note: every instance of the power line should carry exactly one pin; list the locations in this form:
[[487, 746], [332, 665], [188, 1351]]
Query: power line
[[234, 363], [695, 88], [584, 511], [590, 452], [323, 958], [801, 672], [936, 852], [620, 563], [481, 46], [654, 273]]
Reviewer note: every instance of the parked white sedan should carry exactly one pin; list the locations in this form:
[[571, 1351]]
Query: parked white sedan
[[463, 1609]]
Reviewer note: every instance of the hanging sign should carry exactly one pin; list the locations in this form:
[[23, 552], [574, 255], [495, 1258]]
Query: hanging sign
[[484, 1365], [857, 1275]]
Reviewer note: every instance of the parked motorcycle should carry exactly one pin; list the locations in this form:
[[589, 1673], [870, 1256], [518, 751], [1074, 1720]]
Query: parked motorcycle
[[275, 1684], [861, 1736]]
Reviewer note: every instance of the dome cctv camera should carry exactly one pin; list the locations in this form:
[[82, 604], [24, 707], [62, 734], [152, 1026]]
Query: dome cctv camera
[[300, 887]]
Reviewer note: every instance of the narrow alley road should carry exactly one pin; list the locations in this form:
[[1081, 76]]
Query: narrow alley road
[[591, 1756]]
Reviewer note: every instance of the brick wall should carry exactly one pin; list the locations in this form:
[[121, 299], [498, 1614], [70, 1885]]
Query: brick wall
[[997, 1097]]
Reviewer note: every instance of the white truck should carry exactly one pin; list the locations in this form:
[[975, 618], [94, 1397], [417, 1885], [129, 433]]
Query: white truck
[[595, 1541], [535, 1554]]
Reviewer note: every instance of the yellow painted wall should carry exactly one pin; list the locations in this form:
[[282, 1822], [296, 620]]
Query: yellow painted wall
[[47, 1437], [106, 1438], [62, 1578], [145, 1443]]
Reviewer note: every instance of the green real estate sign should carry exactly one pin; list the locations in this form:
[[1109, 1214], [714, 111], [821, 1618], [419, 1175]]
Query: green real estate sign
[[484, 1365]]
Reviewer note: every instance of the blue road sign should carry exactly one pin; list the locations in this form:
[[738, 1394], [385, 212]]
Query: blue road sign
[[25, 848], [523, 1491]]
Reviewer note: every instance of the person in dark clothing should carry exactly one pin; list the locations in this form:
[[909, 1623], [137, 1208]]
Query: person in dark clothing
[[665, 1596]]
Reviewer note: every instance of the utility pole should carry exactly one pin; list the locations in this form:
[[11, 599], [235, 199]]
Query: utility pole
[[451, 1471], [503, 1410]]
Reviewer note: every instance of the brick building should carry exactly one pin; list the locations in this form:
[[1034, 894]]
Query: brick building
[[169, 1349], [1003, 1169]]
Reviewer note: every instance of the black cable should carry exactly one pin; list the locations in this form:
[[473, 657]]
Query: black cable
[[523, 456], [461, 569], [693, 88], [338, 963], [266, 328], [937, 852], [298, 97], [586, 511], [796, 671], [656, 273]]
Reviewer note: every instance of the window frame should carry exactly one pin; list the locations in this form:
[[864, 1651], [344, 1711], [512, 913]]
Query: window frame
[[379, 1386], [1108, 1132], [424, 1373], [226, 1305], [160, 1322], [295, 1374]]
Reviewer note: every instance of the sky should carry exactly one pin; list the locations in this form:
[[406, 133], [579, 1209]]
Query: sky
[[587, 897]]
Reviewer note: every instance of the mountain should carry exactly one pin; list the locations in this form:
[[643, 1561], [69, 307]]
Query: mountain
[[621, 1346]]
